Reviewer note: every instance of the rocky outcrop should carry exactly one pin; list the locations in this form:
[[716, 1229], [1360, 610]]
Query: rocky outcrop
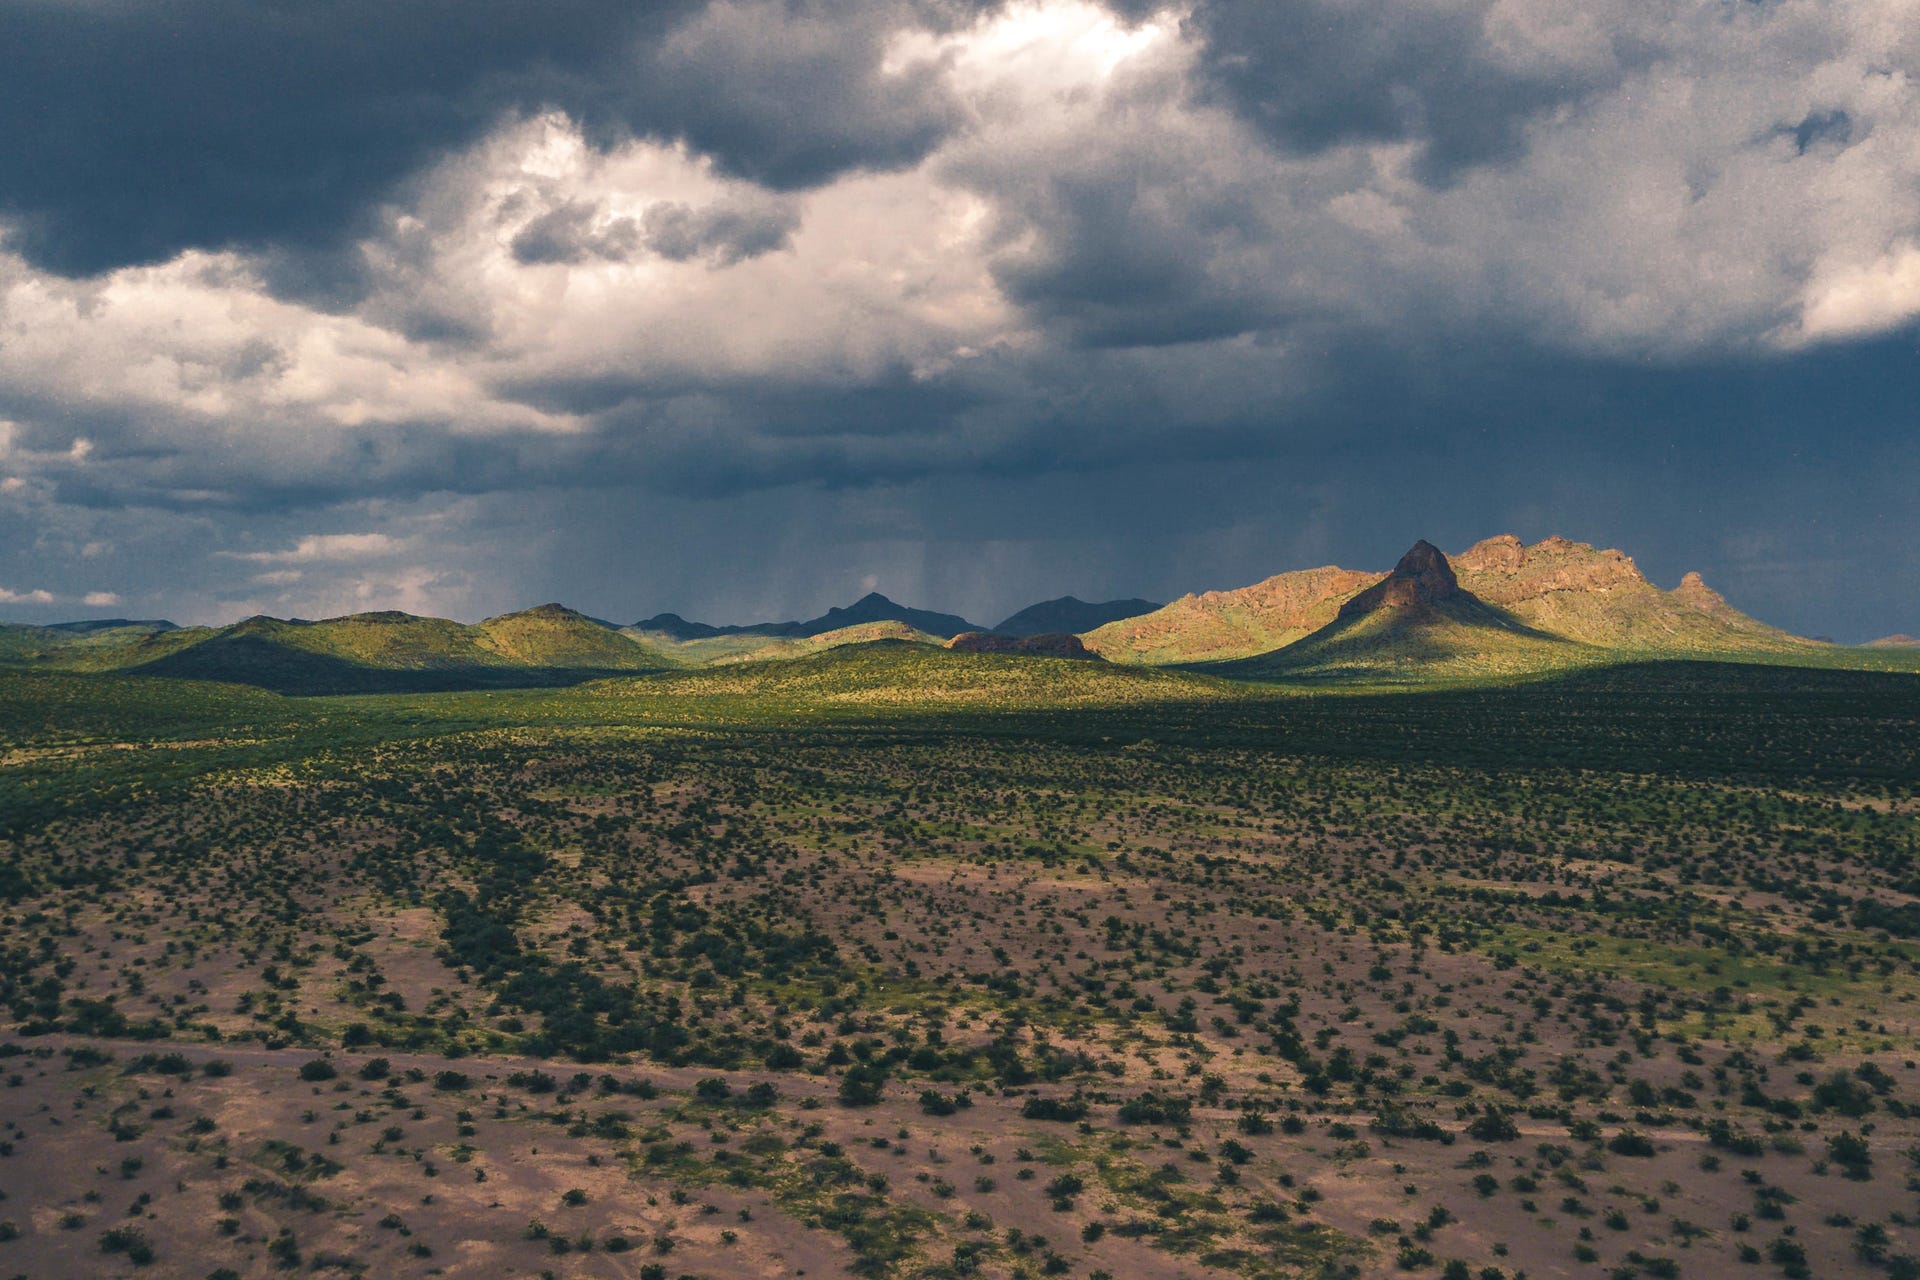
[[1505, 571], [1693, 590], [1053, 645], [1422, 579]]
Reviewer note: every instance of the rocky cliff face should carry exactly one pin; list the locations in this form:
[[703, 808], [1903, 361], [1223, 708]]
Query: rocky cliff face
[[1505, 571], [1422, 579]]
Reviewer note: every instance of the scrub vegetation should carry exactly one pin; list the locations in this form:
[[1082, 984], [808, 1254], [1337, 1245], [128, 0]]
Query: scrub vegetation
[[894, 961]]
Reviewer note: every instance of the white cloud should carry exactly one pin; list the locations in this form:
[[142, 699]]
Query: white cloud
[[418, 589], [37, 596], [100, 599], [1863, 299], [325, 547], [1739, 182]]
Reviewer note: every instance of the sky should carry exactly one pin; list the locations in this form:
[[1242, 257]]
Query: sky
[[742, 308]]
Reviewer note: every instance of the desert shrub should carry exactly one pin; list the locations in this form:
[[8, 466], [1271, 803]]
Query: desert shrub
[[1493, 1125], [862, 1086], [1627, 1143], [129, 1241], [1153, 1108], [1066, 1110]]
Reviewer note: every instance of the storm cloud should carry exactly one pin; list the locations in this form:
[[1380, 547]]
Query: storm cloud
[[471, 295]]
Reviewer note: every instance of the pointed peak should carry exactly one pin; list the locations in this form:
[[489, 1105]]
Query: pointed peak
[[872, 597], [1423, 577], [1423, 558], [1693, 590]]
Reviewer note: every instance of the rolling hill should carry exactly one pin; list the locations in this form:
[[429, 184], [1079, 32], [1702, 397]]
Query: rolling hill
[[1501, 608], [750, 646], [383, 652], [1219, 625], [859, 679], [74, 643]]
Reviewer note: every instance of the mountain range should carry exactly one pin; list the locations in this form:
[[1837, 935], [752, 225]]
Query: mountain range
[[1500, 608]]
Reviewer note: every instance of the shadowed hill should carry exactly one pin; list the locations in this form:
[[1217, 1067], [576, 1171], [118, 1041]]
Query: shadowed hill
[[258, 661], [872, 607], [1054, 645], [1070, 616]]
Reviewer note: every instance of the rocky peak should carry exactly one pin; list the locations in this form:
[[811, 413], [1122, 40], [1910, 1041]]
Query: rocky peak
[[1422, 578], [1502, 553], [1693, 590]]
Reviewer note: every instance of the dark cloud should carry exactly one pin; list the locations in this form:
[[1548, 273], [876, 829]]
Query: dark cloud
[[136, 130], [1831, 128], [790, 94], [575, 232], [133, 131], [1314, 74], [1115, 261], [723, 233], [1145, 324], [1729, 469]]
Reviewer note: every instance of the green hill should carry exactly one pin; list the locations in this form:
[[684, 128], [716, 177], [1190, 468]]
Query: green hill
[[75, 645], [555, 636], [1220, 625], [745, 646], [393, 652], [907, 675]]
